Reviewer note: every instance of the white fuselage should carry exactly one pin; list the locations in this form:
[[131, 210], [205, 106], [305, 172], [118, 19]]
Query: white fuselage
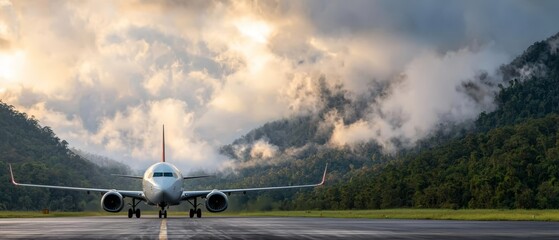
[[162, 184]]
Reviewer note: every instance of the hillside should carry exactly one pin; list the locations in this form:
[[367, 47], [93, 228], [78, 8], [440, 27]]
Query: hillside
[[507, 167], [38, 156], [301, 136], [108, 164], [533, 89], [507, 158]]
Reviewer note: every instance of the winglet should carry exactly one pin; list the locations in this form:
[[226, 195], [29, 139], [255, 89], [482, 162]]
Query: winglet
[[12, 175], [324, 175], [163, 155]]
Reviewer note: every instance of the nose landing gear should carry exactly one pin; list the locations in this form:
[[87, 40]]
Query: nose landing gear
[[162, 213]]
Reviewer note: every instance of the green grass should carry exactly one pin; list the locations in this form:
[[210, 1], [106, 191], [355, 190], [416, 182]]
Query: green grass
[[38, 214], [439, 214]]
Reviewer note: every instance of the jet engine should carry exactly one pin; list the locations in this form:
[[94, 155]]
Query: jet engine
[[112, 202], [216, 201]]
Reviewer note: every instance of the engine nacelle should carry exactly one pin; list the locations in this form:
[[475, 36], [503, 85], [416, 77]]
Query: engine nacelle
[[112, 202], [216, 201]]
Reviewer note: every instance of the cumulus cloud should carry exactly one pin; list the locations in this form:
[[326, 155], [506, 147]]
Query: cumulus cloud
[[107, 76]]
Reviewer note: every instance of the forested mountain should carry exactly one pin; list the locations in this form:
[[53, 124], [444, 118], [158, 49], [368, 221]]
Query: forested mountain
[[508, 158], [508, 167], [533, 89], [302, 136], [38, 156]]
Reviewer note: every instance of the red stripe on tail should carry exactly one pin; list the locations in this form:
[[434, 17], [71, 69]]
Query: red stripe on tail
[[163, 155]]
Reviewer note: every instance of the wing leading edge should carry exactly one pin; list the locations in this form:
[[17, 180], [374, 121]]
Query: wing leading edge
[[127, 176], [124, 193], [192, 194]]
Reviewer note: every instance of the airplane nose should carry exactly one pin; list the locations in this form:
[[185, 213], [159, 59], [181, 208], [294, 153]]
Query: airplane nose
[[161, 195], [166, 194]]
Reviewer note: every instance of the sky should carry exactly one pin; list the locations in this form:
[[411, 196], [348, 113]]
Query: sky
[[106, 75]]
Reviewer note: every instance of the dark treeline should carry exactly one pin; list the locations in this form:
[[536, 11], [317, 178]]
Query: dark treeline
[[509, 167]]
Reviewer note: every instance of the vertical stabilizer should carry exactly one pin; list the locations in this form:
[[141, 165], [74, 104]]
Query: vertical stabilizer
[[163, 155]]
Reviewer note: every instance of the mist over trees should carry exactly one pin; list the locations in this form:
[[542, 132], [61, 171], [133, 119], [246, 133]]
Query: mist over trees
[[106, 163]]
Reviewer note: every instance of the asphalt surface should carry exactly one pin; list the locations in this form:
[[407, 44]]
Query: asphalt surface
[[151, 227]]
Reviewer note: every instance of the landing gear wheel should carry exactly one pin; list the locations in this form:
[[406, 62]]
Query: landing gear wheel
[[132, 210], [160, 214], [165, 214], [191, 213], [199, 213]]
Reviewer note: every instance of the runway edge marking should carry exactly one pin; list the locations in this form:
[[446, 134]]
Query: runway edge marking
[[163, 230]]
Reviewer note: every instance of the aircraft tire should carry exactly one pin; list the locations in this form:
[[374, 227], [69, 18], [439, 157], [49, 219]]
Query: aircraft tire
[[165, 214], [191, 214], [130, 213], [138, 214], [159, 213], [199, 213]]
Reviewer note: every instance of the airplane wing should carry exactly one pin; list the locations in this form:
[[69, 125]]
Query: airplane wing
[[193, 177], [193, 194], [128, 176], [124, 193]]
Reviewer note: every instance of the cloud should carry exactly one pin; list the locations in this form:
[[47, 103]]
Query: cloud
[[263, 149], [359, 131], [429, 92], [136, 132], [107, 76]]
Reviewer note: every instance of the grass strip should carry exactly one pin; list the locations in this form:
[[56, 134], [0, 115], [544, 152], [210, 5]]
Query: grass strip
[[39, 214], [433, 214]]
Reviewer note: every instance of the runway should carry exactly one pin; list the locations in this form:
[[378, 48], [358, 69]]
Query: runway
[[151, 227]]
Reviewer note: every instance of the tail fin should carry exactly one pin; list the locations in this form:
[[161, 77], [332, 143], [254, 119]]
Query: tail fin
[[163, 155]]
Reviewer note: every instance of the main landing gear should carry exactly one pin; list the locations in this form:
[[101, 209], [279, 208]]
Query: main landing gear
[[196, 211], [133, 211]]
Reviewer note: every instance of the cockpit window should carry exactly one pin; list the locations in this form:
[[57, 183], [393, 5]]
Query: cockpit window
[[163, 174]]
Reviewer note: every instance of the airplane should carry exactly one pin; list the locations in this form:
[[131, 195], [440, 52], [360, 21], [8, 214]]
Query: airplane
[[162, 186]]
